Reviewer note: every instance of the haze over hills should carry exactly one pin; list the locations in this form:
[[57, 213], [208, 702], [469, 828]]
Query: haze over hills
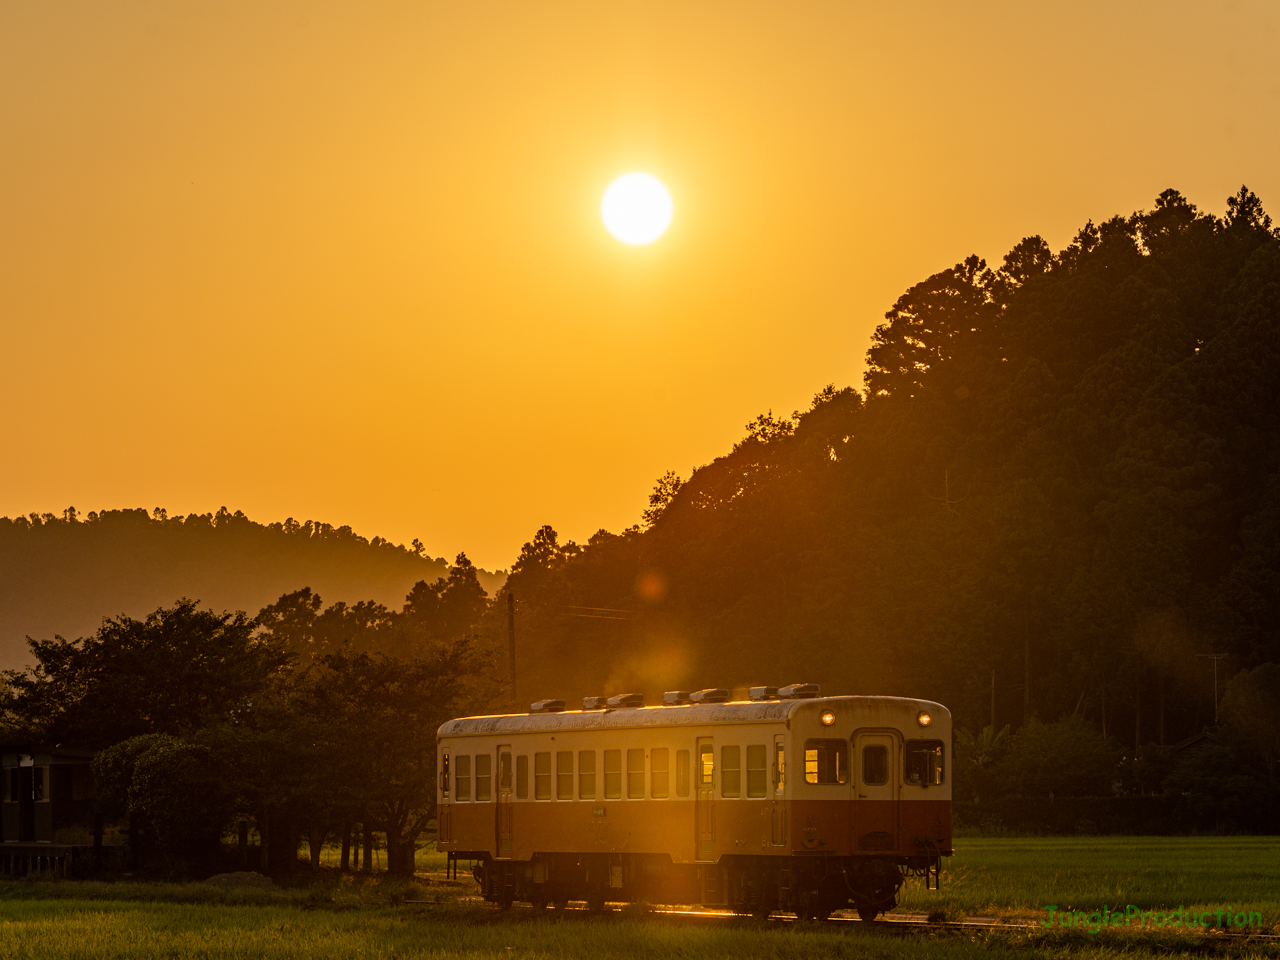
[[62, 575]]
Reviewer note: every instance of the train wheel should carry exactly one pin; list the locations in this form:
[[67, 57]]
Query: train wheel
[[595, 906], [560, 905], [867, 911], [540, 904], [505, 904]]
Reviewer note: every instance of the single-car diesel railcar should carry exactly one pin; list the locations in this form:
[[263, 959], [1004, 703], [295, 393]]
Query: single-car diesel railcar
[[789, 802]]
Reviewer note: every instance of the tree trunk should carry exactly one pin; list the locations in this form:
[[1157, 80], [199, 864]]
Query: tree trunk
[[366, 835], [346, 847], [315, 843]]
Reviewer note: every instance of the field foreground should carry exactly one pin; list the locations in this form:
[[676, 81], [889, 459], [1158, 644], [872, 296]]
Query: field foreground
[[1003, 878]]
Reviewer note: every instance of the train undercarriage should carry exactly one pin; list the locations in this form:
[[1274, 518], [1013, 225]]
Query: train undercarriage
[[810, 887]]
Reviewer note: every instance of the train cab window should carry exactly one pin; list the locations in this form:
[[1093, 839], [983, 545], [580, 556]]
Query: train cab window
[[779, 768], [635, 774], [730, 771], [444, 774], [484, 771], [875, 765], [826, 761], [613, 774], [757, 772], [564, 775], [682, 773], [586, 775], [923, 762], [542, 776], [659, 773], [462, 778], [522, 778]]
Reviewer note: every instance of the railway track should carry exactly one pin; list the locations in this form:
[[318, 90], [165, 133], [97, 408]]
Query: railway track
[[898, 924]]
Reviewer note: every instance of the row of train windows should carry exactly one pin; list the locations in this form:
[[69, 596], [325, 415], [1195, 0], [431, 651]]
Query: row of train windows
[[612, 777], [825, 762]]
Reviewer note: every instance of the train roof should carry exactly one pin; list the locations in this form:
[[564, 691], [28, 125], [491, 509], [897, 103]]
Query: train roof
[[662, 716]]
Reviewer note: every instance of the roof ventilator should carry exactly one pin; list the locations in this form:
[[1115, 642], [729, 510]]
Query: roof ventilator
[[799, 691], [546, 706], [710, 695], [593, 703], [763, 693], [675, 698], [627, 700]]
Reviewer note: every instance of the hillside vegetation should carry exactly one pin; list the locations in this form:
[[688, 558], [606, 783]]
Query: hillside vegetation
[[62, 575], [1062, 481]]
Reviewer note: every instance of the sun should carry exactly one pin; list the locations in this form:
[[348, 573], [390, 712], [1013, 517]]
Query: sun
[[636, 209]]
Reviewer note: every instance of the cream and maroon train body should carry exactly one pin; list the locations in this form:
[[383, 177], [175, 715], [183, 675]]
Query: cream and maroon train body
[[806, 805]]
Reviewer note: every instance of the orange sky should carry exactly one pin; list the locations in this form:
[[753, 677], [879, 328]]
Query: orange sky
[[344, 261]]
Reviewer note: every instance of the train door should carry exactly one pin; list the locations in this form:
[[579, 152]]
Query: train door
[[875, 803], [504, 801], [706, 776], [779, 803]]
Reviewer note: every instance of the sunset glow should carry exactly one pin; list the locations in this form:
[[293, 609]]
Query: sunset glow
[[636, 209]]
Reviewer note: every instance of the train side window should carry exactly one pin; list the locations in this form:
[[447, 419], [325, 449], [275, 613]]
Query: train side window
[[462, 778], [682, 773], [659, 773], [542, 776], [826, 761], [757, 771], [484, 769], [444, 774], [730, 771], [613, 774], [779, 768], [923, 762], [635, 774], [564, 775], [875, 765], [586, 775], [522, 777]]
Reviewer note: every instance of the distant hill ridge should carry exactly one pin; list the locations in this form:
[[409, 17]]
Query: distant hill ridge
[[62, 575]]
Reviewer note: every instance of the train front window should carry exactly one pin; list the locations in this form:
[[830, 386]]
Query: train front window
[[875, 765], [757, 774], [484, 767], [542, 776], [444, 774], [826, 761], [462, 778], [923, 762], [564, 775], [779, 768], [613, 774], [586, 774], [522, 777]]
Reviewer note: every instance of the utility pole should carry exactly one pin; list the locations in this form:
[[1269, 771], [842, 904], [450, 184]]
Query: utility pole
[[1215, 657], [511, 642]]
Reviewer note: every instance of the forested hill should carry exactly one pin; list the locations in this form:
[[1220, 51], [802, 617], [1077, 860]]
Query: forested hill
[[1063, 476], [62, 575]]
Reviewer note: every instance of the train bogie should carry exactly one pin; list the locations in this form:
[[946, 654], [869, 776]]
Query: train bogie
[[807, 805]]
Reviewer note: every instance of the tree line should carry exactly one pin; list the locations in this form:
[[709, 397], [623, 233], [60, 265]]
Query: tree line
[[303, 720]]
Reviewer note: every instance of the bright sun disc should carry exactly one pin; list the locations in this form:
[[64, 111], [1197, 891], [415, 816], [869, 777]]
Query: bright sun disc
[[636, 209]]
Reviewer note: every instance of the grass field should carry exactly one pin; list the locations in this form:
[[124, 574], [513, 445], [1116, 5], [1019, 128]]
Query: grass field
[[376, 919]]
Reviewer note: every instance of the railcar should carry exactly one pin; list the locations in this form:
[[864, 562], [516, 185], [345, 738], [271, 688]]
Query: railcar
[[789, 801]]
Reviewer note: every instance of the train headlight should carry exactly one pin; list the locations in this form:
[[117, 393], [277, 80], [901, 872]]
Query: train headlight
[[828, 718], [923, 719]]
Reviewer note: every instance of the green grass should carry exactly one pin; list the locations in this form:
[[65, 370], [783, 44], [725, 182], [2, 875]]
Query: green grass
[[1018, 877], [338, 917]]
